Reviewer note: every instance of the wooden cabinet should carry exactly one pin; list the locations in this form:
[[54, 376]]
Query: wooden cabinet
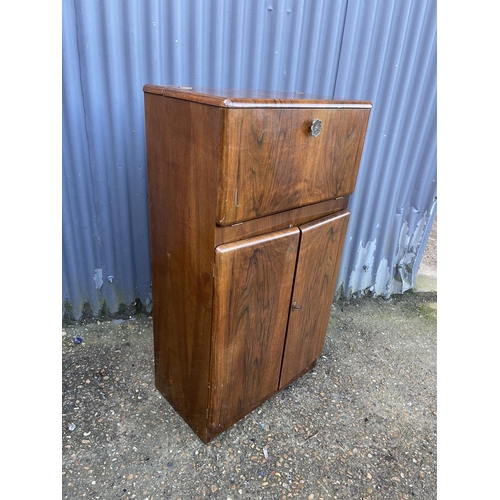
[[248, 198]]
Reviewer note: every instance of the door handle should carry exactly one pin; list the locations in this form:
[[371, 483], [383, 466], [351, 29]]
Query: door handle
[[316, 127], [295, 307]]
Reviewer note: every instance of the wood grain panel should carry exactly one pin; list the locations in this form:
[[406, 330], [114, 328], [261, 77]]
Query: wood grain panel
[[183, 151], [321, 244], [274, 164], [252, 289], [241, 98], [279, 221]]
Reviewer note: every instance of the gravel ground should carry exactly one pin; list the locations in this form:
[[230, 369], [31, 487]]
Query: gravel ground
[[360, 425]]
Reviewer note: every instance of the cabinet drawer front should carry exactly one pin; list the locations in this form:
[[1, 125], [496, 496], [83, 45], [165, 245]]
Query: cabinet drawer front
[[252, 288], [272, 162]]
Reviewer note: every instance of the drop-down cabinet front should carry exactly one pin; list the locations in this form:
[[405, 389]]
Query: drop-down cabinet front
[[248, 212]]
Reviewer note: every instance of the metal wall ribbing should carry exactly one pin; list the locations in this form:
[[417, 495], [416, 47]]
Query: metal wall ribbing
[[383, 51]]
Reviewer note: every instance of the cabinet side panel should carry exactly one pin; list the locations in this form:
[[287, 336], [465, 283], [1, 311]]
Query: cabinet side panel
[[318, 263], [183, 151], [253, 285]]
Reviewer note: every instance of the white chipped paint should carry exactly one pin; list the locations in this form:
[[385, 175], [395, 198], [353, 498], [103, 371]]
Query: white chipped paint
[[98, 278], [388, 279], [361, 277]]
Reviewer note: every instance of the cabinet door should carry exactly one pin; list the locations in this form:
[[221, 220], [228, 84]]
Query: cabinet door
[[273, 163], [252, 289], [318, 262]]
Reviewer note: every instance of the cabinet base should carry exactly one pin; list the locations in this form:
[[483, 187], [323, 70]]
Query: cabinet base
[[207, 434]]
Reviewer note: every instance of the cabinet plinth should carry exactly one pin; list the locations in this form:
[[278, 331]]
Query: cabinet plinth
[[248, 197]]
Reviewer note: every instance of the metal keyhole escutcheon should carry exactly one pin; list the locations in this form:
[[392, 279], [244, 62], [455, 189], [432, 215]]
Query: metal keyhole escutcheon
[[316, 127], [295, 307]]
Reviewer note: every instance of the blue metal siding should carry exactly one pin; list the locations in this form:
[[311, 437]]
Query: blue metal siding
[[394, 66], [383, 51]]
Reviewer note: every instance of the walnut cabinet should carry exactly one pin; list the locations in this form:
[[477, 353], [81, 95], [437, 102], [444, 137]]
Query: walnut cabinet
[[248, 198]]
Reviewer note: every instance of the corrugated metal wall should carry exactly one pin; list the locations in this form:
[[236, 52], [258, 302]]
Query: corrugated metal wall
[[389, 57], [379, 50]]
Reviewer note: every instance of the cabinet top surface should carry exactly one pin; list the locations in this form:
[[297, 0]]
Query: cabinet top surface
[[234, 98]]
